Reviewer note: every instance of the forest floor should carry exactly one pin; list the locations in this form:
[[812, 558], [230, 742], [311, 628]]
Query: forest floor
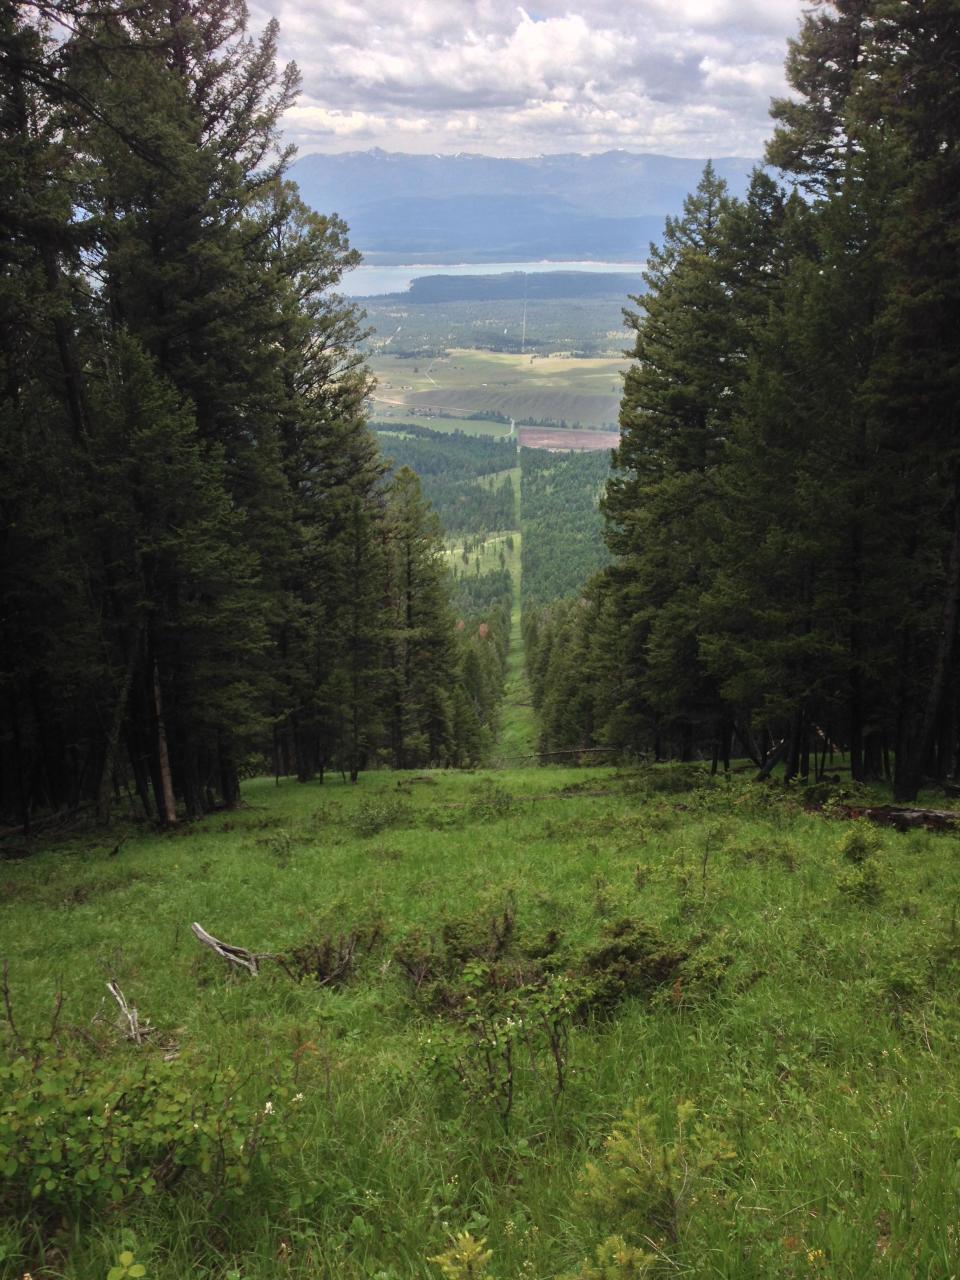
[[545, 1006]]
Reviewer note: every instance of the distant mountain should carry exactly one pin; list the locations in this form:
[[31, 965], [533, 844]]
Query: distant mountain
[[514, 286], [471, 208]]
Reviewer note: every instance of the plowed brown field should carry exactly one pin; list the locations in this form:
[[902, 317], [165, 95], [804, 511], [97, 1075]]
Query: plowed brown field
[[560, 440]]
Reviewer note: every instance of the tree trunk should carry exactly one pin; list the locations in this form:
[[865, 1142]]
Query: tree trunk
[[22, 798], [794, 747], [108, 767], [907, 783], [168, 806]]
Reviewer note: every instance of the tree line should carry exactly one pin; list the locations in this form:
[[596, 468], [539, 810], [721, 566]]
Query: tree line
[[203, 563], [784, 507]]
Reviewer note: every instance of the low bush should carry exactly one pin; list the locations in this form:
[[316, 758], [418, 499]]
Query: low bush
[[78, 1134]]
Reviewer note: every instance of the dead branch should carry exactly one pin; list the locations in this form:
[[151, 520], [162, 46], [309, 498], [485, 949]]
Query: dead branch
[[238, 956], [129, 1021]]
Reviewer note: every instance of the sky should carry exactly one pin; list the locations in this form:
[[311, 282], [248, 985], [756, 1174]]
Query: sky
[[674, 77]]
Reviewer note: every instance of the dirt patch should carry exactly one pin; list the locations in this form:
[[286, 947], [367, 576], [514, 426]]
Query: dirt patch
[[564, 440]]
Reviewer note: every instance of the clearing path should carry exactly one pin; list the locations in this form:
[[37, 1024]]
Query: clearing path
[[518, 731], [517, 743]]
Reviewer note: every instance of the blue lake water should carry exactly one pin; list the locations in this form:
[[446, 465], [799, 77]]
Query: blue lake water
[[367, 281]]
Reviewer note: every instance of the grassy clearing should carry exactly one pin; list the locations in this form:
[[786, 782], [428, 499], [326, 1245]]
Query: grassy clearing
[[518, 726], [813, 1023]]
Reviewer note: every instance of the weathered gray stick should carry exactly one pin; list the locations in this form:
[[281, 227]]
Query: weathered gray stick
[[128, 1014], [238, 956]]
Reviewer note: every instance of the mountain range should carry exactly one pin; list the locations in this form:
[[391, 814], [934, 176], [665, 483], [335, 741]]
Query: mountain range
[[474, 208]]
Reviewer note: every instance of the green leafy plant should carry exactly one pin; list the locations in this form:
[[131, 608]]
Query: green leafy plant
[[649, 1180], [79, 1134], [126, 1266], [482, 1048], [631, 959], [377, 814], [466, 1259], [859, 842], [863, 884], [615, 1260], [491, 801]]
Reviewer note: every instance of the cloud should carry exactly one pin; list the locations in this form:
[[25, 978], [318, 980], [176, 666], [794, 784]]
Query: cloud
[[692, 77]]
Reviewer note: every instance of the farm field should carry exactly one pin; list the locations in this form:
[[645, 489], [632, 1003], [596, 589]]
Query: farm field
[[553, 388], [557, 439], [387, 415], [577, 1014]]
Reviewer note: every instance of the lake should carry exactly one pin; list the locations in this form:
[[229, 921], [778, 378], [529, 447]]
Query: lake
[[368, 281]]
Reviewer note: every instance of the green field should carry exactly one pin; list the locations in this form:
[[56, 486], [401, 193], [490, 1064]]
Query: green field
[[469, 426], [553, 388], [660, 940]]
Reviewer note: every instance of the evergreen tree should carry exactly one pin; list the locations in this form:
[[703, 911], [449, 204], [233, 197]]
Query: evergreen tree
[[421, 629]]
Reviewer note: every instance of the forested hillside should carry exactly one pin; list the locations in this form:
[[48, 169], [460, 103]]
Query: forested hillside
[[784, 511], [561, 522], [463, 477], [203, 564]]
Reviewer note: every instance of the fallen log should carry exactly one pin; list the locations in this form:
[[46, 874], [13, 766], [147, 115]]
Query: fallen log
[[237, 956], [902, 819]]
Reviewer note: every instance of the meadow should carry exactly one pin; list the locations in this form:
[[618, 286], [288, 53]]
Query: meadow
[[611, 1022], [553, 388], [388, 415]]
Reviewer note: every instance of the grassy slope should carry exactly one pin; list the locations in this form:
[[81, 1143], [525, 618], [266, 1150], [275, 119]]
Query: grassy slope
[[827, 1057]]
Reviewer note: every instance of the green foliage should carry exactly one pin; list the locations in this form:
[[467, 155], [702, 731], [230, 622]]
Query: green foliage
[[466, 1259], [449, 465], [616, 1260], [127, 1266], [491, 801], [816, 1032], [859, 842], [864, 884], [78, 1135], [633, 959], [786, 548], [379, 813], [649, 1180], [562, 526], [482, 1049]]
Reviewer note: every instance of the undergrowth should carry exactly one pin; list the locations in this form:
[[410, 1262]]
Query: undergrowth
[[553, 1023]]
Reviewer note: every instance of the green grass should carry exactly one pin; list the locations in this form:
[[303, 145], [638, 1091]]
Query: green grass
[[825, 1057], [469, 426], [518, 727]]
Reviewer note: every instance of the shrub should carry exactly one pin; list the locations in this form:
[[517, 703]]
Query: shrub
[[466, 1260], [77, 1135], [616, 1260], [490, 802], [632, 959], [378, 814], [859, 842], [647, 1181], [862, 884]]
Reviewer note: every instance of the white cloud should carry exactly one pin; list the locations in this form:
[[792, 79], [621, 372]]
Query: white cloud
[[692, 77]]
